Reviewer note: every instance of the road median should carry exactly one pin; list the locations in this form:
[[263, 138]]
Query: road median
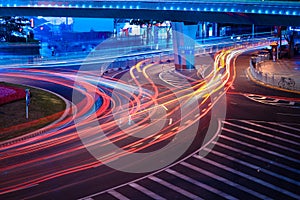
[[44, 108]]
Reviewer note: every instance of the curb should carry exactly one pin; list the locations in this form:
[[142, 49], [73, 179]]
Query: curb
[[268, 85]]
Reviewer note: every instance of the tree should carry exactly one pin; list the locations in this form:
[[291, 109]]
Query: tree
[[15, 29]]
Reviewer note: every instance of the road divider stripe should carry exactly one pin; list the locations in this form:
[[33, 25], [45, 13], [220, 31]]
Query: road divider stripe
[[117, 195], [146, 191], [199, 184], [173, 187], [262, 133], [252, 166], [285, 167], [285, 126], [259, 148], [262, 141], [224, 180], [249, 177], [272, 129]]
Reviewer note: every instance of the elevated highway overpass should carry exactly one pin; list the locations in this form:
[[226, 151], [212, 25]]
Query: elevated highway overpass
[[259, 12]]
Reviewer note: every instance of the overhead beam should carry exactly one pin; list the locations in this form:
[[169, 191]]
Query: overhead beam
[[190, 16]]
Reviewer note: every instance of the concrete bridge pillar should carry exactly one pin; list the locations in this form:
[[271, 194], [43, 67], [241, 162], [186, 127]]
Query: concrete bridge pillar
[[184, 36]]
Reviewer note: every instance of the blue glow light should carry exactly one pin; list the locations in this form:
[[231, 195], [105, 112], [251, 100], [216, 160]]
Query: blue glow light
[[171, 8], [76, 6], [124, 7], [117, 6], [246, 11], [130, 7], [280, 12], [49, 5], [70, 6], [253, 11], [1, 5], [225, 9], [90, 6], [232, 9], [212, 9], [83, 6], [198, 9], [219, 9], [294, 13], [7, 5], [191, 9], [274, 12], [178, 8], [259, 11], [103, 6], [157, 7], [15, 5], [287, 12], [267, 12], [110, 6], [205, 9], [165, 8], [137, 7], [56, 5], [35, 5]]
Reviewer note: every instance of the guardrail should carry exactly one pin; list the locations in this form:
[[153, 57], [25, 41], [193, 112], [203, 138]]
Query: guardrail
[[281, 81], [126, 53]]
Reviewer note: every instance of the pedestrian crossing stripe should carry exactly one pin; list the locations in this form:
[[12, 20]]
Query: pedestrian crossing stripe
[[257, 159]]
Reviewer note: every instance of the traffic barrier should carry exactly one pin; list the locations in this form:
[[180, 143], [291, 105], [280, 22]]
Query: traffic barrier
[[284, 82]]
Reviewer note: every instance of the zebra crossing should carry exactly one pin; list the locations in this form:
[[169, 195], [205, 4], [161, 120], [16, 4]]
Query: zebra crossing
[[273, 101], [250, 160]]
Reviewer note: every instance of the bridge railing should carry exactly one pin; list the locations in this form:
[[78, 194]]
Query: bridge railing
[[285, 81], [129, 55], [95, 3]]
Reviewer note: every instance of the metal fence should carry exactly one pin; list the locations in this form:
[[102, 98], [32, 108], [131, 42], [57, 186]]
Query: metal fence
[[282, 80]]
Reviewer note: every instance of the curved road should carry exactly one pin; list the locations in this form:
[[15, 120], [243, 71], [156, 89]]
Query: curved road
[[255, 156]]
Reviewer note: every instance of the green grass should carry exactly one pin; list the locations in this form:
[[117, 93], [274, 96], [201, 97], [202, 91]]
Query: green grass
[[42, 104]]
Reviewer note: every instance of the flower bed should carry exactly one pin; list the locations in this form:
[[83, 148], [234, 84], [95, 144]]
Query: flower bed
[[9, 94]]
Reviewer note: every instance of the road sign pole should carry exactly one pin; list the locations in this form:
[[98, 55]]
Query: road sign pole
[[26, 111], [27, 92]]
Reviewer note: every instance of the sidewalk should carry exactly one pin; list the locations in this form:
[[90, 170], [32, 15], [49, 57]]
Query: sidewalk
[[283, 74]]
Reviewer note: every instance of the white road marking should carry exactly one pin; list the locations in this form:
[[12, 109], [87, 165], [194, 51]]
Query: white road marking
[[289, 114], [170, 122], [252, 178], [117, 195], [272, 162], [273, 129], [202, 185], [285, 126], [255, 167], [224, 180], [164, 107], [256, 147], [267, 135], [146, 191], [173, 187]]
